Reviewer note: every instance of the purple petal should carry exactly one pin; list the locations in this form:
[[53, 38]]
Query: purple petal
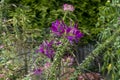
[[47, 49], [41, 50], [70, 38], [68, 30], [53, 29], [58, 28]]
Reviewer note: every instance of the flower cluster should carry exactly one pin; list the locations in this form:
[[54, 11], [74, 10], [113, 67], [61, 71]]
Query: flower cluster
[[39, 71], [47, 49], [59, 28], [68, 7]]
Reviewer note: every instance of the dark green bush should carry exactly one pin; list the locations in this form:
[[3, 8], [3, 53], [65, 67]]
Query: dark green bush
[[43, 12]]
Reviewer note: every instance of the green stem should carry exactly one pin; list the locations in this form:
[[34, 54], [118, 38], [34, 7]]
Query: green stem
[[65, 15], [1, 13], [55, 71]]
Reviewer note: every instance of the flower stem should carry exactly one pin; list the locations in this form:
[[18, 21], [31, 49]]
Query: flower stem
[[65, 14]]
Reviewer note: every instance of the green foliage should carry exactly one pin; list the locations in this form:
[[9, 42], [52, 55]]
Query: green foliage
[[95, 53], [109, 42], [18, 39], [110, 17], [86, 14]]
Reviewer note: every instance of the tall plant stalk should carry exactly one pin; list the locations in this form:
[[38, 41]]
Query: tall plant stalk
[[1, 12], [55, 68]]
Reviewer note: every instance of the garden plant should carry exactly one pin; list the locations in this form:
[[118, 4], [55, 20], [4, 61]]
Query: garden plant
[[59, 40]]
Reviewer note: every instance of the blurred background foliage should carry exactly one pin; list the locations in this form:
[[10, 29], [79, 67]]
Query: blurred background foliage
[[41, 13], [106, 55], [109, 20]]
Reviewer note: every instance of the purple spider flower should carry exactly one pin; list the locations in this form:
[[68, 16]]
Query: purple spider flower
[[73, 34], [68, 7], [37, 71], [47, 49], [58, 27]]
